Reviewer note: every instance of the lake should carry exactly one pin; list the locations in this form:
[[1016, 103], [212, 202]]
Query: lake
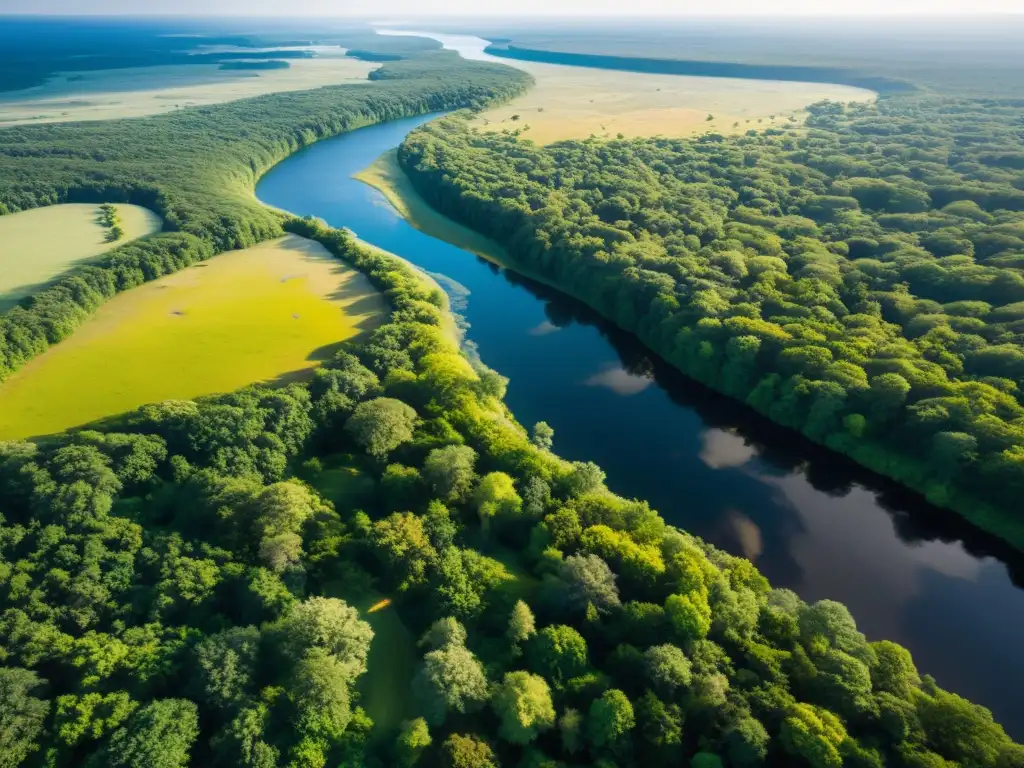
[[811, 521]]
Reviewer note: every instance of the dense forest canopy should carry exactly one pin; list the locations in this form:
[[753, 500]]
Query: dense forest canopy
[[177, 587], [197, 169], [861, 280]]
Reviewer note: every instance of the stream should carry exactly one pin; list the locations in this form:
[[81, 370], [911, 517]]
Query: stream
[[812, 521]]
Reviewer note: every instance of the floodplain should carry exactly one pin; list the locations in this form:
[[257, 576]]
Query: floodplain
[[266, 313]]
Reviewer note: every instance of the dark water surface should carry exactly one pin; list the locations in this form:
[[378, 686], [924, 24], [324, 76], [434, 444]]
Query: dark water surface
[[812, 521]]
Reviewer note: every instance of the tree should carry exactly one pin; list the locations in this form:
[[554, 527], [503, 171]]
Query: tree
[[661, 726], [381, 425], [91, 715], [523, 705], [496, 496], [241, 742], [959, 730], [226, 663], [319, 691], [588, 581], [401, 487], [610, 719], [559, 653], [158, 735], [450, 679], [331, 624], [443, 632], [583, 477], [814, 734], [894, 669], [413, 739], [832, 621], [449, 472], [521, 624], [747, 743], [543, 436], [460, 751], [667, 668], [570, 727], [401, 542], [689, 615], [22, 715]]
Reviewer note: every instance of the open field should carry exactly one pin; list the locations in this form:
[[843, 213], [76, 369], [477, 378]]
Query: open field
[[115, 93], [576, 102], [41, 243], [245, 316], [570, 102]]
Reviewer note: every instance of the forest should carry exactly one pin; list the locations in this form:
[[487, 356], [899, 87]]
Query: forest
[[196, 168], [177, 587], [858, 279]]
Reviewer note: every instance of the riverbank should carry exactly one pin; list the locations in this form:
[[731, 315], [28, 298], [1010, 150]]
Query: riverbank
[[386, 176]]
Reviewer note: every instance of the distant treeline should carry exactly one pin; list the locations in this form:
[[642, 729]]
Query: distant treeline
[[797, 73], [373, 55], [201, 179], [270, 64]]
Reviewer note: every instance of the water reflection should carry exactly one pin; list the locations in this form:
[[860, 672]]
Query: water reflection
[[619, 380], [724, 449]]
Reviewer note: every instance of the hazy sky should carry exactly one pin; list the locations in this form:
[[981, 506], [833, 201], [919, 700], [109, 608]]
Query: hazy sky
[[385, 8]]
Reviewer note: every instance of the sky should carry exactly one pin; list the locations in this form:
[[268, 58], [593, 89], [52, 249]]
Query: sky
[[419, 8]]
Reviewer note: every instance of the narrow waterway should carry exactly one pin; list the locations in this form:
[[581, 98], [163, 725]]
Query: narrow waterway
[[811, 521]]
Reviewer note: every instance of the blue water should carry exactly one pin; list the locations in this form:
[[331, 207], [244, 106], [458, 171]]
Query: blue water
[[811, 521]]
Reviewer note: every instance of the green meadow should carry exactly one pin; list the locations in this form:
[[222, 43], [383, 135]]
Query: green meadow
[[253, 315], [39, 244]]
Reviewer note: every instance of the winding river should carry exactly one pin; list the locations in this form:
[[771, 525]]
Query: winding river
[[812, 521]]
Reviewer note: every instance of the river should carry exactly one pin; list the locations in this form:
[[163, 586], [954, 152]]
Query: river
[[811, 521]]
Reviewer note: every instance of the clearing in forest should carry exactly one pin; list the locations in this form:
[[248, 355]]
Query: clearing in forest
[[39, 244], [255, 315], [576, 102], [111, 94]]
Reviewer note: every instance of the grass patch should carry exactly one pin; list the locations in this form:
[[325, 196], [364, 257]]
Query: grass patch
[[264, 314], [138, 91], [384, 689], [576, 102], [344, 483], [38, 245]]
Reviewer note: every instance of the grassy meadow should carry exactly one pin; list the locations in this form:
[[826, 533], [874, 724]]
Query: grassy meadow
[[136, 92], [39, 244], [577, 102], [246, 316]]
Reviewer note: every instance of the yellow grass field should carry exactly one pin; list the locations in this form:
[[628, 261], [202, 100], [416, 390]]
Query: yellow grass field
[[38, 245], [577, 102], [116, 93], [260, 314]]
